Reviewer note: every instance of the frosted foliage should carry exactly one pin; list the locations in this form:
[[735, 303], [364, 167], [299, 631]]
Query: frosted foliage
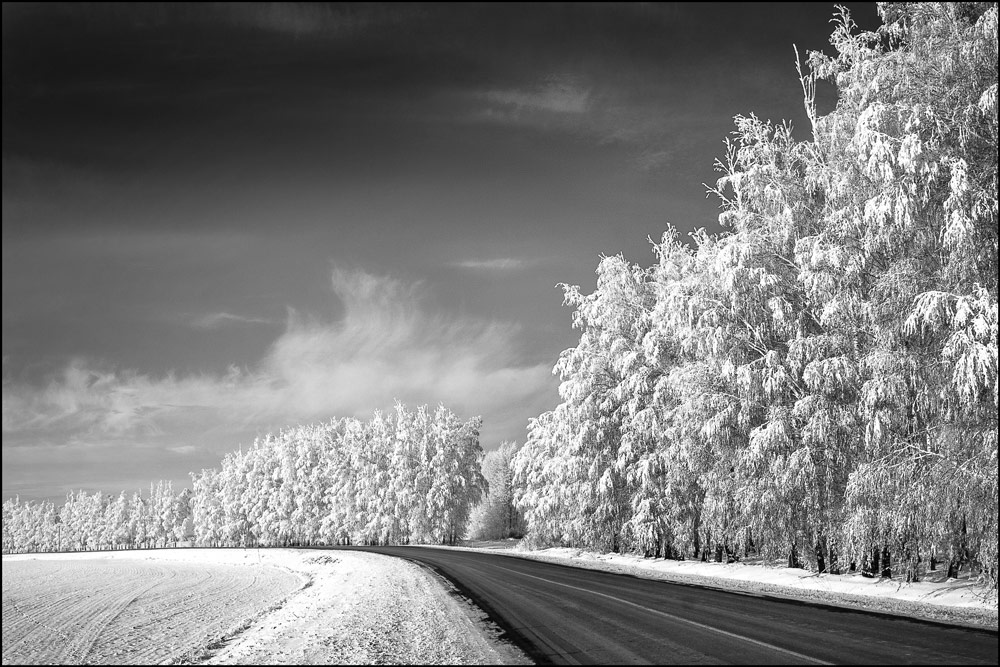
[[818, 382], [408, 477], [496, 517], [87, 522]]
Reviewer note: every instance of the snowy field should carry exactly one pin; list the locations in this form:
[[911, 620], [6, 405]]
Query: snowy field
[[127, 607], [936, 598], [235, 606]]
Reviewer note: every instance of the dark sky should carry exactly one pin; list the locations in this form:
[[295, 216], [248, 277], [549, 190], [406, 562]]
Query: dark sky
[[222, 219]]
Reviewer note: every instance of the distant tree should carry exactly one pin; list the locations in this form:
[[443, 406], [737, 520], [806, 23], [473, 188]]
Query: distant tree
[[206, 508], [496, 516], [117, 518]]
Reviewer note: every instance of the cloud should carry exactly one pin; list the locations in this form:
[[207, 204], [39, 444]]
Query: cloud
[[285, 18], [221, 319], [606, 111], [87, 402], [558, 95], [498, 264], [559, 100], [391, 342], [653, 160], [299, 18]]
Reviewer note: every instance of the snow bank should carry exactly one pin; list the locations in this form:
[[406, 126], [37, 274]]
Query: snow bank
[[363, 608]]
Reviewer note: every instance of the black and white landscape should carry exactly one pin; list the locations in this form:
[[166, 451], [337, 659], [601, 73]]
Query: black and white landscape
[[406, 333]]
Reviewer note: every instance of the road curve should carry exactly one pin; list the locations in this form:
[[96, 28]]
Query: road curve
[[564, 615]]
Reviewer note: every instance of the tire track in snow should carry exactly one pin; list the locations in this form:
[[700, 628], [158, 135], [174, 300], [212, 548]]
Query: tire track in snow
[[109, 608]]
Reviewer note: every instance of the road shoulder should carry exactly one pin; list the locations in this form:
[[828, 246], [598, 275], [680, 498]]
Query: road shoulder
[[955, 603]]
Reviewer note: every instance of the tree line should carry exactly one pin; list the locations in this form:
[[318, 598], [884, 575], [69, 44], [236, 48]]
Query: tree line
[[818, 383], [89, 522], [400, 478]]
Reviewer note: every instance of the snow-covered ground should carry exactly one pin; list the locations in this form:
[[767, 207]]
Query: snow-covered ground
[[225, 606], [128, 607], [936, 598], [292, 606], [365, 608]]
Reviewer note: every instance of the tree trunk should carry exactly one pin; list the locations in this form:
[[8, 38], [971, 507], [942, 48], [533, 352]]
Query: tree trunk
[[793, 557], [698, 552], [869, 568], [912, 567], [886, 568]]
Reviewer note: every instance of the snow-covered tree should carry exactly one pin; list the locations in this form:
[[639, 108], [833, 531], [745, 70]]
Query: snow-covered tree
[[496, 516], [819, 380]]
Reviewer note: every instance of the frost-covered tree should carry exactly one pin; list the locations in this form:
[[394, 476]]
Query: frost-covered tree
[[496, 516], [401, 477], [117, 519], [205, 504], [94, 521], [820, 379], [30, 527]]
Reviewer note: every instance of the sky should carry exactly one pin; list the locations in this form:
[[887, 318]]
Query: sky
[[223, 219]]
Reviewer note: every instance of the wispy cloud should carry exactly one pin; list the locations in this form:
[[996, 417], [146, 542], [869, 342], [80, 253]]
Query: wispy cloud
[[497, 264], [286, 18], [304, 18], [389, 343], [653, 160], [606, 111], [87, 401], [557, 95], [221, 319]]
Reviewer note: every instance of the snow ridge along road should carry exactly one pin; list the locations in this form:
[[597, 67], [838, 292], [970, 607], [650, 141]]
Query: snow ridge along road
[[365, 608], [566, 615]]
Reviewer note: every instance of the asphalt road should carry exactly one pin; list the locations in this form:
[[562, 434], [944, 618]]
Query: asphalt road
[[564, 615]]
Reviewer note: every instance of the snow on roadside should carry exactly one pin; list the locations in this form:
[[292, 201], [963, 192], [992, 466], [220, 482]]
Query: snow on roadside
[[958, 601], [363, 608]]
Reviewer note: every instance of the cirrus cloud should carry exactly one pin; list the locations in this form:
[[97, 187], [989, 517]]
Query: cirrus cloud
[[498, 264], [221, 319], [556, 95]]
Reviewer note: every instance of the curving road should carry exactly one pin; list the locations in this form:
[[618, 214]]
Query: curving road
[[564, 615]]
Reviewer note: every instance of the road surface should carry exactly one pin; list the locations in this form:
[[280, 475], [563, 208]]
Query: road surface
[[564, 615]]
